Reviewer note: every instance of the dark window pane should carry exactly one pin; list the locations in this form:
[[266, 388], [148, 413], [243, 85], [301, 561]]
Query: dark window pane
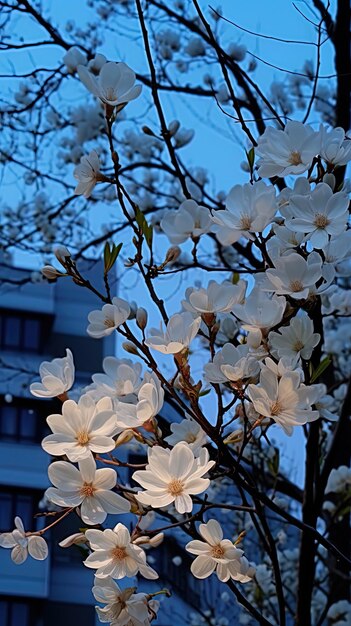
[[20, 614], [27, 424], [25, 510], [31, 334], [3, 612], [8, 421], [6, 513], [12, 332]]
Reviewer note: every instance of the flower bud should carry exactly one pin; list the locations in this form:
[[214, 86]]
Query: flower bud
[[62, 255], [73, 540], [172, 254], [156, 540], [141, 318], [141, 540], [173, 127], [50, 272], [124, 437], [130, 347]]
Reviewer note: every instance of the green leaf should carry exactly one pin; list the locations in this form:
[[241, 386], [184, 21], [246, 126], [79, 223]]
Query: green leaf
[[235, 278], [321, 368], [204, 393], [250, 155], [145, 228], [111, 255]]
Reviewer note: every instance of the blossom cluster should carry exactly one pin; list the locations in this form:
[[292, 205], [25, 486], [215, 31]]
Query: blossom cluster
[[261, 329]]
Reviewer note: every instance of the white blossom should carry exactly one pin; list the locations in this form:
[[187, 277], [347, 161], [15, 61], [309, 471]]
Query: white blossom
[[180, 331], [189, 431], [297, 339], [115, 555], [318, 215], [148, 404], [284, 400], [215, 298], [259, 313], [82, 428], [121, 380], [88, 174], [22, 544], [232, 363], [288, 151], [87, 487], [103, 322], [57, 377], [122, 607], [73, 58], [335, 146], [294, 276], [249, 209], [114, 86], [190, 220], [219, 555], [173, 476]]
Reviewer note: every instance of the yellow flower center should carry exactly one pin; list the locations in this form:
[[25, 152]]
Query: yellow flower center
[[321, 221], [191, 438], [296, 285], [298, 346], [82, 437], [88, 490], [118, 554], [109, 323], [217, 552], [175, 487], [245, 222], [295, 158], [276, 408]]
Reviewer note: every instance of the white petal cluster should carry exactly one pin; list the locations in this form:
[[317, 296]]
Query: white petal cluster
[[215, 298], [249, 209], [173, 476], [103, 322], [180, 331], [189, 431], [57, 377], [115, 555], [114, 85], [259, 314], [285, 400], [87, 487], [232, 364], [88, 174], [148, 404], [22, 544], [73, 58], [82, 428], [191, 220], [295, 340], [294, 276], [123, 607], [121, 380], [319, 215], [288, 151], [335, 146], [219, 555]]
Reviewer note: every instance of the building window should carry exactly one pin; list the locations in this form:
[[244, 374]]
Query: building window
[[22, 422], [23, 503], [21, 331]]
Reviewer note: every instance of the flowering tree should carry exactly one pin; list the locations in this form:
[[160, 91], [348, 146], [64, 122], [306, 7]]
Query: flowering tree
[[264, 269]]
